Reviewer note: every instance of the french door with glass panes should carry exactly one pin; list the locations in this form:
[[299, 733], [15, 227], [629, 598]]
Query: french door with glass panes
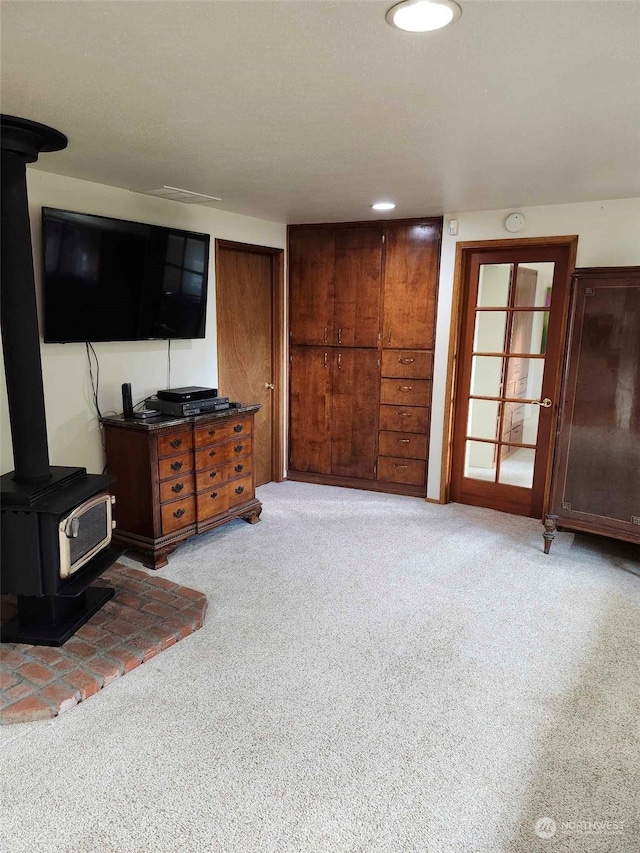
[[508, 374]]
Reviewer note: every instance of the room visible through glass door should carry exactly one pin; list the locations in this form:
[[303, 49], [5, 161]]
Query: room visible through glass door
[[505, 394]]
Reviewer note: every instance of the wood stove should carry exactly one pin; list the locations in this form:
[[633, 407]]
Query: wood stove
[[55, 521]]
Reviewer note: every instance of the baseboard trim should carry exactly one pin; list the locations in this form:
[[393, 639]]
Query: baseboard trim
[[354, 483]]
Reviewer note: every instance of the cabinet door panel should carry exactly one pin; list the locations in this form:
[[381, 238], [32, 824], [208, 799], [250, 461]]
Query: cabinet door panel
[[312, 262], [354, 422], [410, 285], [358, 273], [310, 410]]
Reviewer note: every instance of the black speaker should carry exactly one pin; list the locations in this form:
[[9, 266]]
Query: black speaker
[[127, 400]]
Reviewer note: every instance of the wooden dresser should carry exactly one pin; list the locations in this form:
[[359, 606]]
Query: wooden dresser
[[596, 468], [177, 477]]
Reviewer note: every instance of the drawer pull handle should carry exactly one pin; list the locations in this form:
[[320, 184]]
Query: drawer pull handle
[[213, 474], [404, 467], [177, 488], [212, 453], [403, 440], [405, 388], [238, 468], [176, 466], [214, 494], [238, 448], [213, 431], [239, 490], [238, 428], [406, 360], [178, 513], [176, 442], [403, 414]]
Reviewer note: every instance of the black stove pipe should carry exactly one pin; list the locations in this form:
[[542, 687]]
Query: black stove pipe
[[21, 141]]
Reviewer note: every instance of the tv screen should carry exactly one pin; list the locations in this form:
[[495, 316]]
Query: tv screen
[[112, 280]]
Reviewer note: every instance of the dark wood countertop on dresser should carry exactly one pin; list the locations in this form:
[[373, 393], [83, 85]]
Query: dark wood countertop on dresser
[[176, 477]]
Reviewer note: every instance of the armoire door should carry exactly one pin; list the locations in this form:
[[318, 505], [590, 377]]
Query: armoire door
[[354, 417], [358, 273], [410, 285], [310, 410], [311, 263]]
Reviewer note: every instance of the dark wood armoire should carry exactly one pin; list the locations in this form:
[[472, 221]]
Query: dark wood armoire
[[362, 303], [596, 470]]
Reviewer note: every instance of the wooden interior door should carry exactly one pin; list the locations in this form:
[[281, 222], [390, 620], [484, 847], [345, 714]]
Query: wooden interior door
[[246, 359], [410, 285], [508, 376], [358, 272], [354, 417], [310, 410], [311, 272]]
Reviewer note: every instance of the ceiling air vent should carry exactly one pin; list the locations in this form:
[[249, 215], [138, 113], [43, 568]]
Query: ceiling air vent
[[176, 194]]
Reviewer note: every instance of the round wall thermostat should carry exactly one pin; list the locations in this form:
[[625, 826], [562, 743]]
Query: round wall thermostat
[[514, 222]]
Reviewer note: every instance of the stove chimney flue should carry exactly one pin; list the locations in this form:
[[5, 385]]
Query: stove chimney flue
[[21, 141]]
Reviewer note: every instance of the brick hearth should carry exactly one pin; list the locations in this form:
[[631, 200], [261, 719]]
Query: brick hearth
[[147, 615]]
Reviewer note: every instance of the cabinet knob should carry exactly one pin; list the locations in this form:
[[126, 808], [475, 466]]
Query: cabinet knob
[[238, 468], [402, 467], [176, 442], [178, 513], [403, 414], [176, 466], [239, 490], [214, 494], [213, 474], [213, 431], [238, 428], [238, 448], [389, 338], [405, 388], [406, 360], [403, 440], [212, 453], [177, 488]]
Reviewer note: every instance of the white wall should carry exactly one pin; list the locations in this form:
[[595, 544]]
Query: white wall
[[74, 437], [609, 235]]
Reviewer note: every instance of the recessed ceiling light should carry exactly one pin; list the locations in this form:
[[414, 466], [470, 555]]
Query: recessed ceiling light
[[423, 16], [383, 205]]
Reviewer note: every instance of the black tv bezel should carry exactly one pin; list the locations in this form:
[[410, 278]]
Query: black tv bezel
[[44, 210]]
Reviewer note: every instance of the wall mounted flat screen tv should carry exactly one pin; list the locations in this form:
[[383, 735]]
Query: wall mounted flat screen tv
[[112, 280]]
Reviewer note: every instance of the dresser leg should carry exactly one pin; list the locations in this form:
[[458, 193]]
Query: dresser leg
[[253, 517], [155, 559], [549, 531]]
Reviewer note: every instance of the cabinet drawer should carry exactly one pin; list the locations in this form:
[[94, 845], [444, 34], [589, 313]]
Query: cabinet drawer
[[413, 364], [240, 491], [238, 468], [515, 435], [210, 457], [409, 445], [175, 442], [405, 392], [178, 514], [403, 419], [397, 470], [209, 479], [214, 433], [179, 487], [175, 465], [238, 448], [212, 503]]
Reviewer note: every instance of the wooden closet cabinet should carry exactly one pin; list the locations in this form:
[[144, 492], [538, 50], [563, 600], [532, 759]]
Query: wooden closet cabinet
[[360, 403], [596, 468]]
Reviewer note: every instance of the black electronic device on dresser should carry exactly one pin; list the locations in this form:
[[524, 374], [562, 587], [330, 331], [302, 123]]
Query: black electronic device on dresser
[[56, 521]]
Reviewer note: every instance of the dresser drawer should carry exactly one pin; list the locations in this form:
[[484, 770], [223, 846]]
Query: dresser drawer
[[239, 468], [394, 469], [240, 491], [409, 445], [178, 514], [211, 433], [239, 447], [179, 487], [209, 457], [405, 392], [212, 503], [174, 465], [175, 442], [403, 418], [412, 364], [212, 477]]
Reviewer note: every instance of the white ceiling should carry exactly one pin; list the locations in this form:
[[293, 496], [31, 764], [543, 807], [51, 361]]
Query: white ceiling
[[309, 111]]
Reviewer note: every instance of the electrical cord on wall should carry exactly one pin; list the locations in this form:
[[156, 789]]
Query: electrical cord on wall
[[95, 389]]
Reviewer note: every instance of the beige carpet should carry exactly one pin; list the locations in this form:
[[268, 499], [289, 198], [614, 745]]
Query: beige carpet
[[376, 674]]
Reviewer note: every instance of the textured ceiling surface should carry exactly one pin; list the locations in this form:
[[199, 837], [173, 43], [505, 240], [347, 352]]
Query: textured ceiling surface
[[309, 111]]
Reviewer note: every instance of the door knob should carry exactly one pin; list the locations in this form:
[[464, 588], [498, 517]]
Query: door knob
[[269, 386], [546, 403]]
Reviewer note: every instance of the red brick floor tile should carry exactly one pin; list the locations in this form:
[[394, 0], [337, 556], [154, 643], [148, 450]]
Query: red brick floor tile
[[45, 654], [165, 597], [127, 658], [7, 679], [160, 632], [129, 598], [80, 649], [149, 646], [188, 593], [91, 634], [62, 695], [86, 683], [30, 708], [9, 656], [24, 688], [107, 668], [158, 609], [37, 673], [121, 628], [65, 665]]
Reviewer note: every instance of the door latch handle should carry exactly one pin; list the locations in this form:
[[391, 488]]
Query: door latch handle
[[269, 386], [546, 403]]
